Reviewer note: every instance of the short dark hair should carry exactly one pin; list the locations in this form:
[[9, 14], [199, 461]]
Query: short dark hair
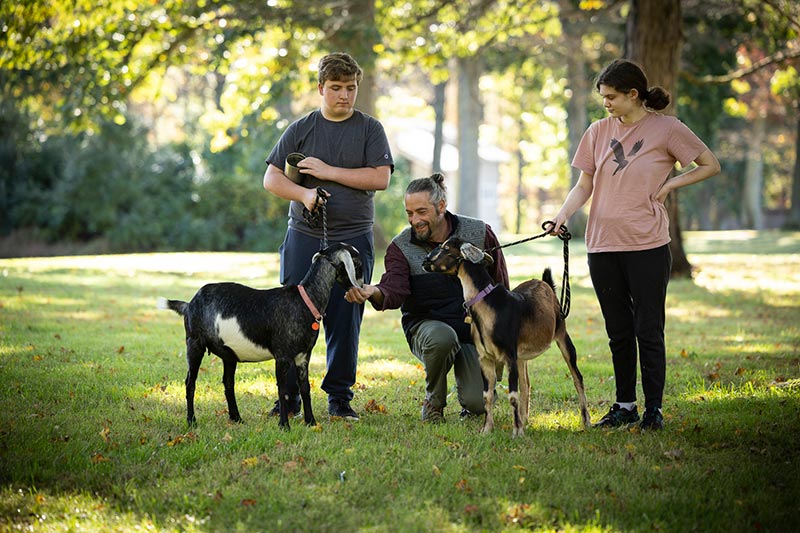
[[433, 185], [339, 66], [624, 75]]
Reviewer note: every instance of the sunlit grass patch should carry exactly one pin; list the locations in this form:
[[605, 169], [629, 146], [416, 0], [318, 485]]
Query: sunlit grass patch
[[93, 432]]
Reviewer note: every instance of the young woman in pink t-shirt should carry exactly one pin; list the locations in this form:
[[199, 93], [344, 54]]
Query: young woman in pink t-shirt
[[626, 162]]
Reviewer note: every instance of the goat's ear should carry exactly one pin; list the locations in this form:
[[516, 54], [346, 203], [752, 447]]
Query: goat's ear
[[471, 253], [350, 268]]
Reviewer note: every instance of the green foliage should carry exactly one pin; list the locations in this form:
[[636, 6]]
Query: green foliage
[[93, 433]]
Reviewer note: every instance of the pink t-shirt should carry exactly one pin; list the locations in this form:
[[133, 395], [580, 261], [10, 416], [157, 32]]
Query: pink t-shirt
[[629, 163]]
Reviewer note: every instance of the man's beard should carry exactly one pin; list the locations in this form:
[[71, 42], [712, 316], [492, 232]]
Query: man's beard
[[423, 233]]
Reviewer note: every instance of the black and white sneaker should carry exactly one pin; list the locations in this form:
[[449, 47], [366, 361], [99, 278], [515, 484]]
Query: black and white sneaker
[[618, 416], [339, 407], [652, 420]]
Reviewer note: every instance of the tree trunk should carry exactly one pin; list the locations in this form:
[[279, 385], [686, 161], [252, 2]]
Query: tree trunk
[[653, 39], [439, 95], [520, 174], [469, 120], [357, 37], [793, 216], [579, 83], [752, 214]]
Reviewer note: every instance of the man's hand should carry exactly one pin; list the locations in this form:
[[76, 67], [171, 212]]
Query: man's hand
[[356, 295], [315, 167]]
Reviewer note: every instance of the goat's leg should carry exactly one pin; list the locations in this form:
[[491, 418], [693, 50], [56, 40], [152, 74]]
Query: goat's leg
[[282, 367], [305, 389], [513, 393], [571, 357], [524, 390], [194, 356], [489, 383], [228, 378]]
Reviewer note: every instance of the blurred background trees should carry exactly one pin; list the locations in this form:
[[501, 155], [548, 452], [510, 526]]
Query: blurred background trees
[[138, 126]]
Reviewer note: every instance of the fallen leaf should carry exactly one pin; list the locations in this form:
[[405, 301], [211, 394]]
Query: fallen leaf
[[436, 471], [248, 502], [674, 454], [121, 349], [684, 353], [104, 433], [463, 485], [250, 462], [99, 458], [374, 407], [740, 371]]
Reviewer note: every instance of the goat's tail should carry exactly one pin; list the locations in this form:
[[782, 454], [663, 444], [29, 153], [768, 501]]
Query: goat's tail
[[176, 305], [547, 277]]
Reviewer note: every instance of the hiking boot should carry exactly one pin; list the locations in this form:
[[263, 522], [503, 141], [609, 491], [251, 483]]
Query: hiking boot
[[617, 417], [652, 420], [431, 414], [294, 408], [340, 407]]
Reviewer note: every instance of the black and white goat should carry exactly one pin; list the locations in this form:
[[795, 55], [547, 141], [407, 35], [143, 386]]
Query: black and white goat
[[240, 324], [508, 327]]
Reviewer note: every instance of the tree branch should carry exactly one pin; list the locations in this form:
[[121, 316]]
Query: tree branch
[[779, 57]]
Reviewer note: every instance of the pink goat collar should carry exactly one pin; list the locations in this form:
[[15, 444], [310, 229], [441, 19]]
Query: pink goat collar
[[311, 307]]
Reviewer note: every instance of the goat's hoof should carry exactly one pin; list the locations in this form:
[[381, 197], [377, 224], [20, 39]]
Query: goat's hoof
[[191, 422], [518, 432], [237, 420], [311, 422]]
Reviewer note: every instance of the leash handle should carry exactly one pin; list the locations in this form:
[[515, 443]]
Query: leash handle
[[312, 217]]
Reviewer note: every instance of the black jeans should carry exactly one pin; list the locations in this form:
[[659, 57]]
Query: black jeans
[[632, 290]]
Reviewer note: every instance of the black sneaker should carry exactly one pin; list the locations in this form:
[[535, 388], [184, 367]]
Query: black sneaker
[[652, 420], [431, 414], [341, 408], [617, 417], [294, 408]]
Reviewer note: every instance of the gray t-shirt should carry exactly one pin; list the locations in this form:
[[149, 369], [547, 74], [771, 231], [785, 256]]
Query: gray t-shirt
[[357, 142]]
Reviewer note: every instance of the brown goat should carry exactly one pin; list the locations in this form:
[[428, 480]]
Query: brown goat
[[508, 327]]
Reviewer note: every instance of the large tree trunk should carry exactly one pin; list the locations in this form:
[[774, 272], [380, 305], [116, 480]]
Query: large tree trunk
[[654, 39], [357, 37], [469, 120], [579, 83], [793, 216]]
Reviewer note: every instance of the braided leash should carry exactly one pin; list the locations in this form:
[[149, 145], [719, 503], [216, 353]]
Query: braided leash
[[565, 236], [312, 218]]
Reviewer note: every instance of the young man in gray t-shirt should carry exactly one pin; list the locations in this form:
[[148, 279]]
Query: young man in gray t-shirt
[[348, 156]]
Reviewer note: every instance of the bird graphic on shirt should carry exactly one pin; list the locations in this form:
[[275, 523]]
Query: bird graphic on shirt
[[619, 153]]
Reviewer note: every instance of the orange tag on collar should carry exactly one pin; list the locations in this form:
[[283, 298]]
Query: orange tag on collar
[[315, 326]]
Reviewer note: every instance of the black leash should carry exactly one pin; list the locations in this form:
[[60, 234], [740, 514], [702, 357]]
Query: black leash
[[565, 236], [312, 218]]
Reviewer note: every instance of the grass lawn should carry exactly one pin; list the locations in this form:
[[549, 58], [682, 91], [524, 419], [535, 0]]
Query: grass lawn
[[93, 435]]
